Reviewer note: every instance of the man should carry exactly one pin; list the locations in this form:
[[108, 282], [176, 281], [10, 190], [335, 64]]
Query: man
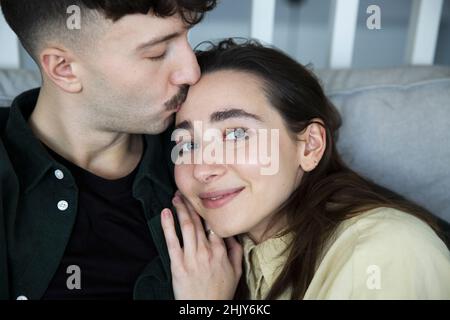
[[85, 164]]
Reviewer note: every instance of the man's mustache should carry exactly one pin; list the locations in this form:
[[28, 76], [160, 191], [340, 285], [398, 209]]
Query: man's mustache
[[178, 99]]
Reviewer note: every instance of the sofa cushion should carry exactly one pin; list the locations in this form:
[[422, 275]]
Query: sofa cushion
[[14, 82], [395, 129]]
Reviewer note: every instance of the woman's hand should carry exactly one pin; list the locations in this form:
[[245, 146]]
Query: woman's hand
[[206, 268]]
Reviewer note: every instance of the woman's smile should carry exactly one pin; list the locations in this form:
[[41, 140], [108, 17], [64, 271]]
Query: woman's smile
[[217, 199]]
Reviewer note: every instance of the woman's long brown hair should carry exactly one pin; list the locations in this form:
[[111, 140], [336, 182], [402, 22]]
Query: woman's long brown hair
[[329, 194]]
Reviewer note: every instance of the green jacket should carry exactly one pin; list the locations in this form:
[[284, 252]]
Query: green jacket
[[34, 233]]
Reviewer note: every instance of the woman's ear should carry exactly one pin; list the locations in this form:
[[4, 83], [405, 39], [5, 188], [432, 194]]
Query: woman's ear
[[312, 144], [58, 65]]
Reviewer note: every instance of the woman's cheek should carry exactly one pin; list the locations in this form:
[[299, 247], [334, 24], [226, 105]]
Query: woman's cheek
[[182, 178]]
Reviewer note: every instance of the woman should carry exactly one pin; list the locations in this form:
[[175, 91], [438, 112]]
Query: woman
[[312, 230]]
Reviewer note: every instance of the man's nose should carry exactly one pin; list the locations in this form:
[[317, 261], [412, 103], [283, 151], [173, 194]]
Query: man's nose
[[188, 71]]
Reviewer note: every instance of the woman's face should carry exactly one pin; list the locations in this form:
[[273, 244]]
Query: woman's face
[[234, 196]]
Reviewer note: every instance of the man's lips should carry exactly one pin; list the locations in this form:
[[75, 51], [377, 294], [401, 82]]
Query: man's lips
[[217, 199]]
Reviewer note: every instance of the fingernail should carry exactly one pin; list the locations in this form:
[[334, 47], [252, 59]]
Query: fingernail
[[165, 213], [176, 199]]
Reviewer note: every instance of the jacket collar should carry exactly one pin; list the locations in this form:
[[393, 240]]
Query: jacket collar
[[27, 154]]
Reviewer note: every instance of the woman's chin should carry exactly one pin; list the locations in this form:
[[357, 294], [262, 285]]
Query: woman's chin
[[225, 233], [225, 223]]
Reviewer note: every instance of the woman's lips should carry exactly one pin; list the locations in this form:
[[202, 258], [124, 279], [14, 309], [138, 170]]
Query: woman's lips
[[214, 200]]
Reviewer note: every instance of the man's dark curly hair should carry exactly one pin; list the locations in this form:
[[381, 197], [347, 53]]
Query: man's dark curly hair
[[35, 21]]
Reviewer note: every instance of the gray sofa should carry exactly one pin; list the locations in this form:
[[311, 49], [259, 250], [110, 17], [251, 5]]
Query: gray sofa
[[396, 129], [13, 82], [395, 126]]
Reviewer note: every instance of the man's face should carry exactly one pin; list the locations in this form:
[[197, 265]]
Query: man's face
[[138, 74]]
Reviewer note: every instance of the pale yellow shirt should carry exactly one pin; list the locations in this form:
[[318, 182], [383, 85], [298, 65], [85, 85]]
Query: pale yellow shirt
[[380, 254]]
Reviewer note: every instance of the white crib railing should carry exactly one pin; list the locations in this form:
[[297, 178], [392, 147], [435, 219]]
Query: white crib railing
[[420, 49], [422, 39], [343, 17], [423, 31], [263, 20]]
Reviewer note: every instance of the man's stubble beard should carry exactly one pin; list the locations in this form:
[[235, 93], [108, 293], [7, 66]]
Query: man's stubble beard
[[118, 111]]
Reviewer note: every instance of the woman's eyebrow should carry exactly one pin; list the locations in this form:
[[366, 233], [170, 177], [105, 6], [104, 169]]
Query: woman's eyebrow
[[222, 115], [186, 124], [232, 113]]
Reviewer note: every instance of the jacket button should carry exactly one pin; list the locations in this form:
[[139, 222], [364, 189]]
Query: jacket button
[[63, 205], [22, 298], [59, 174]]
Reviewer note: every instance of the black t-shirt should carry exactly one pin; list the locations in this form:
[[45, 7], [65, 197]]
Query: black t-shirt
[[110, 244]]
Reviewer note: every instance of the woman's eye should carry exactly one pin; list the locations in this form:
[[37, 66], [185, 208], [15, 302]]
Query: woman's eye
[[236, 134], [187, 147]]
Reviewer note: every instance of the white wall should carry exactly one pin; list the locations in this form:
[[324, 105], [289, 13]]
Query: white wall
[[9, 48]]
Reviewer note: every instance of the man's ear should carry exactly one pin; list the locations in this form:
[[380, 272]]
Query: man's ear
[[58, 65], [312, 145]]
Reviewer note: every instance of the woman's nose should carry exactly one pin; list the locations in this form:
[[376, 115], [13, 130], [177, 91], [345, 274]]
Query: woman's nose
[[207, 173]]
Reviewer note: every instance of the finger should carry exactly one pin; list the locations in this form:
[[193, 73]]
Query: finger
[[200, 230], [173, 244], [215, 240], [187, 227], [235, 253]]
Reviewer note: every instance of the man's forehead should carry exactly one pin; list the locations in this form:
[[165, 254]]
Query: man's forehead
[[147, 26]]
